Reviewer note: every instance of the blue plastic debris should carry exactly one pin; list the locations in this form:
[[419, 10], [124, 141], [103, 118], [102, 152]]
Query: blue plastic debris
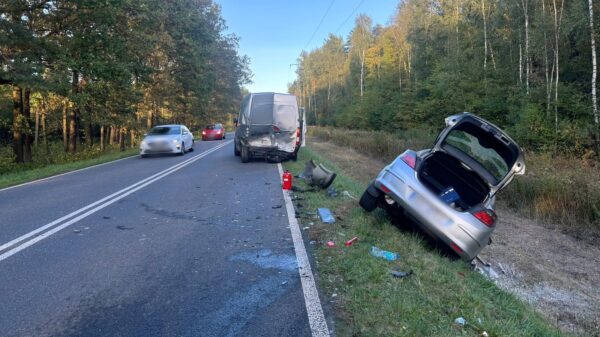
[[390, 256], [326, 215]]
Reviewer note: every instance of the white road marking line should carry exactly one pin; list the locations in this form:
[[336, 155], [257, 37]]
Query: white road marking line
[[57, 221], [316, 318], [64, 174], [128, 190]]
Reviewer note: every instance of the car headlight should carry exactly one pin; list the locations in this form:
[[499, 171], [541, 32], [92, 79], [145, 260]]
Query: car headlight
[[175, 141]]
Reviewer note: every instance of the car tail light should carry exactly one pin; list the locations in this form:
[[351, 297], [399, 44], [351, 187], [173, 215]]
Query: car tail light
[[488, 217], [456, 248], [410, 158], [297, 137], [276, 129], [384, 188]]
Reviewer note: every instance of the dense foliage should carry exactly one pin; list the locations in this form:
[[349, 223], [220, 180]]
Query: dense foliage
[[525, 65], [102, 71]]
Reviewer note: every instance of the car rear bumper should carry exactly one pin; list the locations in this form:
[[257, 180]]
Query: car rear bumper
[[212, 137], [456, 229]]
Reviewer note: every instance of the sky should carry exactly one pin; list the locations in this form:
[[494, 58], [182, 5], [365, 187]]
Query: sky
[[274, 32]]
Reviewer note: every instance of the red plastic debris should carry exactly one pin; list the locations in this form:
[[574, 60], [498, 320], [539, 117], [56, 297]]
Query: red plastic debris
[[351, 241]]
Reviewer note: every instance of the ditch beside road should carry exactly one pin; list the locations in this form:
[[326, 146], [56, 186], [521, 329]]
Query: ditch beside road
[[554, 272]]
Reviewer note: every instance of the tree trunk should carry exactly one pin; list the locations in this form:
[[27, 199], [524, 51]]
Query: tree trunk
[[27, 157], [102, 147], [73, 115], [557, 22], [149, 120], [132, 138], [17, 136], [525, 5], [44, 134], [546, 63], [37, 125], [485, 51], [362, 73], [594, 77], [122, 134], [65, 128]]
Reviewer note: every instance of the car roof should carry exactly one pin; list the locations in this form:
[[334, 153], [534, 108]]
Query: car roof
[[167, 125]]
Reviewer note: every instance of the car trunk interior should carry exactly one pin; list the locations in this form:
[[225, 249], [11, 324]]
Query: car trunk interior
[[439, 172]]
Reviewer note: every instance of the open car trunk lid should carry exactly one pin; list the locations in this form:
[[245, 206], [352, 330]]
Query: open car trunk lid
[[483, 148]]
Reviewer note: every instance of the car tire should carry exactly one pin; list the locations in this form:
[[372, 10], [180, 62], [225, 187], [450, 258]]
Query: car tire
[[182, 152], [192, 147], [245, 154], [144, 155], [236, 152], [370, 198]]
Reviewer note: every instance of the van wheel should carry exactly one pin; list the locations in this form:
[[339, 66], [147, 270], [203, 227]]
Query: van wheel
[[245, 154], [236, 151]]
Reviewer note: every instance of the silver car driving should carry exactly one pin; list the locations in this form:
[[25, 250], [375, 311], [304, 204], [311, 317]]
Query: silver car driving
[[173, 138], [450, 189]]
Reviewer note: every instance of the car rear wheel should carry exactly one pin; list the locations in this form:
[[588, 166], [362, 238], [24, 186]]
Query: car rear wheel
[[369, 199], [192, 147], [236, 151], [245, 154]]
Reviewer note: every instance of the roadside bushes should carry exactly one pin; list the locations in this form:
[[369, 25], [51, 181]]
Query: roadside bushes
[[556, 189]]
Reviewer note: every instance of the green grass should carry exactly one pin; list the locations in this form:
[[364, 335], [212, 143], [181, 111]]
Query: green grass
[[370, 302], [25, 174]]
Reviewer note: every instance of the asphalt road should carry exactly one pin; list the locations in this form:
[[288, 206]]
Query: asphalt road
[[203, 251]]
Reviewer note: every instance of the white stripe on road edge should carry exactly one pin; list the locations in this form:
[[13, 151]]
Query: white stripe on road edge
[[316, 318], [109, 200], [64, 174]]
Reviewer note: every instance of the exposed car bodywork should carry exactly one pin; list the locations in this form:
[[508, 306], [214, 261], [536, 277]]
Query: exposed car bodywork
[[449, 190], [268, 126]]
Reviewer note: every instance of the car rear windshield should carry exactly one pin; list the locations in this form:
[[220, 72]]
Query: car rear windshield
[[165, 130], [494, 155]]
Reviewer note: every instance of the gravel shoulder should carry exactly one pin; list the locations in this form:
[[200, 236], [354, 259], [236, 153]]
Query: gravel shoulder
[[556, 273]]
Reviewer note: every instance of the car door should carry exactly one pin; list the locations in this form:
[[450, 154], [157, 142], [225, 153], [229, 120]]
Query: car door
[[483, 148], [187, 137]]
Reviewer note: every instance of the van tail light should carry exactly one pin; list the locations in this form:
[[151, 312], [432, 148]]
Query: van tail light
[[410, 158], [384, 188], [297, 137], [276, 129], [487, 216]]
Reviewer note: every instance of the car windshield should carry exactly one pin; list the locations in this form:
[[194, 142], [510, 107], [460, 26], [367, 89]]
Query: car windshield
[[483, 148], [164, 130], [211, 127]]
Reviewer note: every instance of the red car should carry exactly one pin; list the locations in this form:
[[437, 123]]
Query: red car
[[213, 132]]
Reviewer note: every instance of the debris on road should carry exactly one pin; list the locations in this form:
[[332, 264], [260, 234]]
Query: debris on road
[[330, 244], [326, 215], [351, 241], [390, 256], [401, 274], [277, 206]]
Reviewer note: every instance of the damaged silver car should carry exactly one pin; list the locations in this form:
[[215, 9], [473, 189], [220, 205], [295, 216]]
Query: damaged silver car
[[268, 126], [450, 189]]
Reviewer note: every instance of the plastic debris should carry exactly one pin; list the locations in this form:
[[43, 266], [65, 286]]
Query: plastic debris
[[460, 321], [390, 256], [330, 244], [351, 241], [326, 215], [485, 334], [401, 274], [332, 192], [347, 194], [277, 206]]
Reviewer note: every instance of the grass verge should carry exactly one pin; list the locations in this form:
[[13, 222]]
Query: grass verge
[[26, 175], [368, 301], [557, 189]]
